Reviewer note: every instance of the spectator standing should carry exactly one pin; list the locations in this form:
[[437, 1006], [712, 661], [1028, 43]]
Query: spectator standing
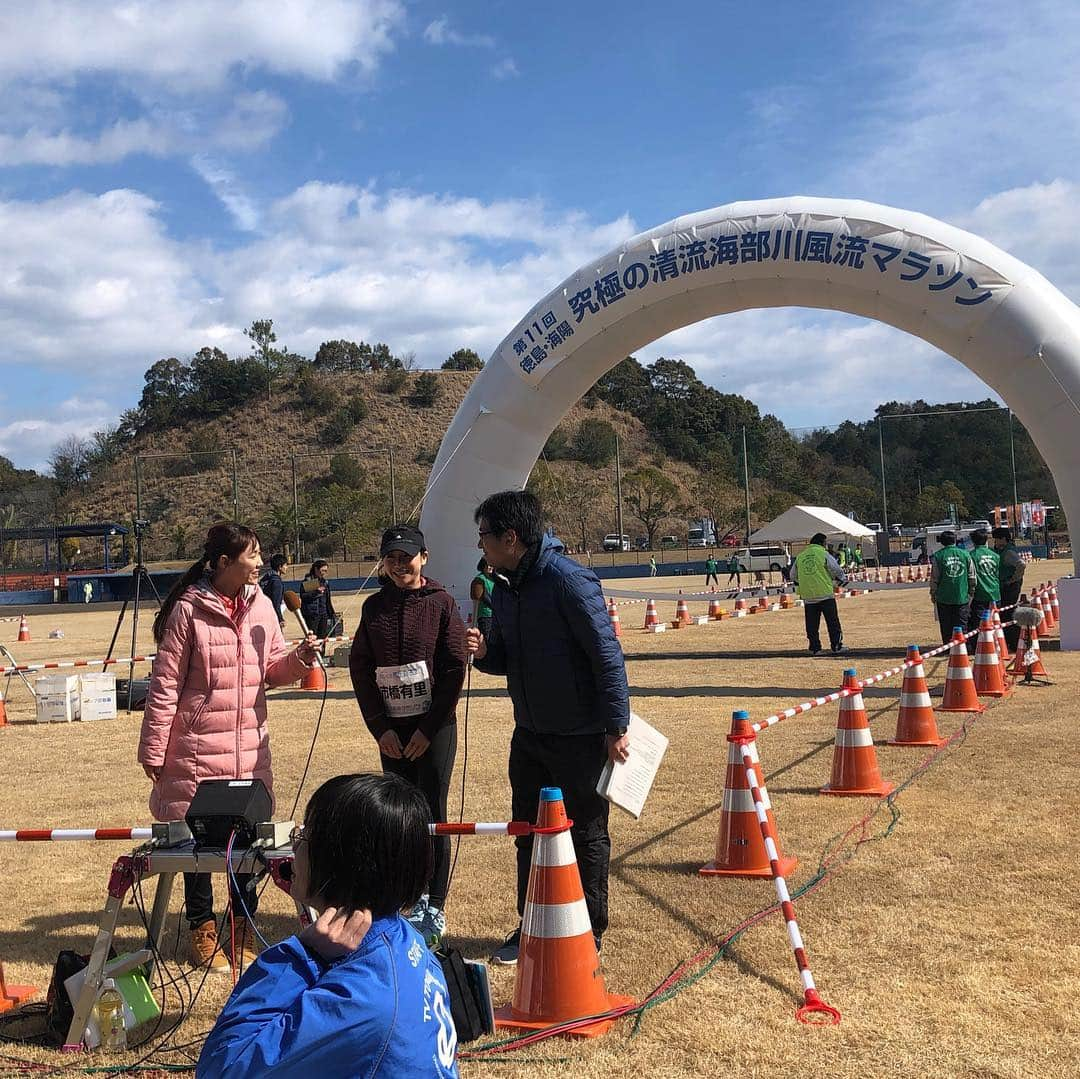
[[710, 571], [316, 600], [1010, 578], [273, 585], [652, 565], [486, 576], [734, 571], [552, 638], [952, 582], [987, 564], [813, 575]]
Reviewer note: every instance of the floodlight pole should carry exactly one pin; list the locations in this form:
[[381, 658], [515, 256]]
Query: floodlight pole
[[1012, 459], [746, 484], [393, 488], [295, 513], [618, 493], [235, 489], [881, 454]]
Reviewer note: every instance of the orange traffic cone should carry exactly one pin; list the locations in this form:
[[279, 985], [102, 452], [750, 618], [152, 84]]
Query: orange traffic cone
[[651, 617], [613, 615], [855, 768], [1028, 659], [960, 695], [24, 628], [910, 575], [877, 575], [987, 667], [999, 637], [888, 575], [786, 602], [314, 678], [3, 712], [12, 996], [1048, 611], [916, 725], [682, 614], [740, 847], [740, 607], [558, 977], [715, 607], [1054, 608]]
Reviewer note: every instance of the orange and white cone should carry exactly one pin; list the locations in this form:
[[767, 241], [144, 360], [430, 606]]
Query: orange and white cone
[[682, 614], [854, 768], [960, 695], [877, 575], [24, 628], [13, 996], [3, 712], [987, 667], [1048, 611], [915, 725], [651, 617], [1028, 658], [558, 977], [314, 679], [740, 846], [786, 602], [740, 607], [1054, 608], [613, 616], [999, 638], [715, 607], [888, 575]]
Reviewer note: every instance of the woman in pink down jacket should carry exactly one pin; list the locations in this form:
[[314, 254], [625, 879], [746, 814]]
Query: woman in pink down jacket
[[219, 645]]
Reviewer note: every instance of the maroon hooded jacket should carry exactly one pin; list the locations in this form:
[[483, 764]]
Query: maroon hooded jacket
[[399, 627]]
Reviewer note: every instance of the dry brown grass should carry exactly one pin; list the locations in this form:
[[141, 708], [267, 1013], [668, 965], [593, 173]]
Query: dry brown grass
[[950, 947]]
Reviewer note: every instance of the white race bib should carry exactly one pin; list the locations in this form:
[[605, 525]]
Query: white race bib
[[406, 689]]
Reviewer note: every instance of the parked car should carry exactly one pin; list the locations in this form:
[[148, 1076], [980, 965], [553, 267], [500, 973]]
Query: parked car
[[667, 542], [754, 559], [613, 543], [875, 525]]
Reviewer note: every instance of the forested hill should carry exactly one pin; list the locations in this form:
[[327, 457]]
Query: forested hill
[[216, 435]]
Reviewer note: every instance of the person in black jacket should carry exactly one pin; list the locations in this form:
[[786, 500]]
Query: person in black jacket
[[552, 638], [316, 602], [273, 585], [407, 665]]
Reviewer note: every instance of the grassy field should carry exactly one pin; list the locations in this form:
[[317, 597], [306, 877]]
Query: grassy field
[[948, 939]]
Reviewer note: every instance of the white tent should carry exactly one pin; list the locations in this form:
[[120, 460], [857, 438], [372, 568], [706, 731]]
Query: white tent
[[802, 522]]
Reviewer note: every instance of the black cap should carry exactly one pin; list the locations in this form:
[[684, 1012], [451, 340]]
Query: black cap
[[402, 538]]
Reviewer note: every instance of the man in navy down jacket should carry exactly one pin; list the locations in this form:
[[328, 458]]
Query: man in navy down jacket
[[552, 638]]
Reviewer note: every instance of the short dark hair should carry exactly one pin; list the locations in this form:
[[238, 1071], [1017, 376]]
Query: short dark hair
[[947, 539], [519, 510], [317, 565], [819, 538], [979, 537], [278, 562], [1001, 532], [368, 843]]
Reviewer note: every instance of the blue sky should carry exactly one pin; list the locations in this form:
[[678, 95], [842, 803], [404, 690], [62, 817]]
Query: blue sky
[[421, 173]]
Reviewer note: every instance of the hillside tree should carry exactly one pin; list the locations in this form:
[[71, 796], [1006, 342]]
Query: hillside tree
[[652, 496]]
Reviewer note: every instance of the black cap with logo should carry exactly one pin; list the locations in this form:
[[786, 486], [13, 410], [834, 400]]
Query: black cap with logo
[[402, 538]]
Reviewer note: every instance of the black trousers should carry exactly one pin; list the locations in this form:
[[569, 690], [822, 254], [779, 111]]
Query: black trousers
[[812, 613], [431, 773], [951, 615], [1010, 593], [199, 896], [711, 577], [573, 763], [976, 612]]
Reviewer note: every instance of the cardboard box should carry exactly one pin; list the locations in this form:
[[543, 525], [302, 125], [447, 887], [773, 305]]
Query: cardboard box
[[97, 696], [340, 656], [57, 697]]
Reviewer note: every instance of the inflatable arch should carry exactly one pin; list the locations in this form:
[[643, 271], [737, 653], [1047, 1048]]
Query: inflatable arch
[[997, 316]]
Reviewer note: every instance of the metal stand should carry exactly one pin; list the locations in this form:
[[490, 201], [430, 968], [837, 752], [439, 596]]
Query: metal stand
[[164, 863], [139, 574]]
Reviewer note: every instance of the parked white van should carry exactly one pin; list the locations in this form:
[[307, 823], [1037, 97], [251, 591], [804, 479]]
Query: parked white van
[[753, 559], [925, 544]]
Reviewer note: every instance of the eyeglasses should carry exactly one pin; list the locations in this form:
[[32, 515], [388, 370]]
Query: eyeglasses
[[482, 532], [297, 836]]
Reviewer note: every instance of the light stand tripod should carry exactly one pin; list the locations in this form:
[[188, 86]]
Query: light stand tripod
[[139, 574]]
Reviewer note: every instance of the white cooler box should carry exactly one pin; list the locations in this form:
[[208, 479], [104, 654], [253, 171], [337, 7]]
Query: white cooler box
[[57, 697], [97, 696]]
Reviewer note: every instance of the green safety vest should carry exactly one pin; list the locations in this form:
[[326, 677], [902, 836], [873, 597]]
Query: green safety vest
[[952, 584], [710, 565], [987, 573], [815, 581]]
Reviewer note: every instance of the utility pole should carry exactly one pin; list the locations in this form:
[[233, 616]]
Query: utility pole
[[235, 488], [295, 513], [618, 491], [393, 489], [881, 454], [746, 484], [138, 488], [1012, 459]]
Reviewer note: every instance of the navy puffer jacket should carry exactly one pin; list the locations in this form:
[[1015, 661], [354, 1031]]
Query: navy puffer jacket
[[553, 640]]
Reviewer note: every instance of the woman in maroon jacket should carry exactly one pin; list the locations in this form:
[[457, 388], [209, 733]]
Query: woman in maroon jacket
[[407, 665]]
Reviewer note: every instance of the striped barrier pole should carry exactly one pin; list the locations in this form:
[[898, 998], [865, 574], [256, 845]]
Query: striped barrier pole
[[813, 1010], [514, 827], [54, 835]]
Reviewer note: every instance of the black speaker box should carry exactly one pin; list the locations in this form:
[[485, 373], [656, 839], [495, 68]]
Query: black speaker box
[[222, 806]]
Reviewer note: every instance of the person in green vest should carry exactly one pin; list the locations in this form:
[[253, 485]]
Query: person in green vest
[[484, 574], [652, 565], [858, 556], [1010, 577], [734, 569], [952, 583], [813, 575], [841, 555], [987, 576], [710, 571]]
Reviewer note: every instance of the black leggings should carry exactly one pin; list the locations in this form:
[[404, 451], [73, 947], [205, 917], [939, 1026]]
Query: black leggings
[[199, 897], [431, 773]]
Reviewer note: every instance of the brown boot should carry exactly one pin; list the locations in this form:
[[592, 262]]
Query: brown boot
[[205, 951], [246, 949]]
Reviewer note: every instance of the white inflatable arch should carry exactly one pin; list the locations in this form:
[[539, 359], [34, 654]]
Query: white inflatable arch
[[996, 315]]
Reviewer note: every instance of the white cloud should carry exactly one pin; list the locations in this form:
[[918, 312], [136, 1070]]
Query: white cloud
[[505, 69], [440, 32], [223, 182], [30, 441]]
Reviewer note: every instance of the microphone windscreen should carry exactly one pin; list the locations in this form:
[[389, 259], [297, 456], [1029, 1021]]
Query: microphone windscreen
[[292, 600], [1028, 616], [476, 590]]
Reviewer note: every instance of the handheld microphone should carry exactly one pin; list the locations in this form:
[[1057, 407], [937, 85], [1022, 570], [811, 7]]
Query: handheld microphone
[[292, 601], [476, 594]]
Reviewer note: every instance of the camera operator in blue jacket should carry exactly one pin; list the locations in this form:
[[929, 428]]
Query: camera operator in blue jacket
[[552, 638]]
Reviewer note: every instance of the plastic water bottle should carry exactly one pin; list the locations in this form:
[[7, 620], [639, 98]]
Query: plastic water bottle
[[110, 1017]]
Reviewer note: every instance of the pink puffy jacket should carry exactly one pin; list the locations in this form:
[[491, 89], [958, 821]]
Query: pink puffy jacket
[[206, 710]]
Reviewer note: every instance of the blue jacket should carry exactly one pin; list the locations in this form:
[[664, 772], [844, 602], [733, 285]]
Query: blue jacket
[[553, 640], [383, 1011], [274, 589]]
